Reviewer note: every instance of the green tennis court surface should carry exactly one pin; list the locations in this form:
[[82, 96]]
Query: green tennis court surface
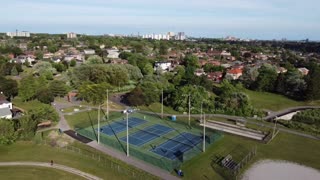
[[157, 141]]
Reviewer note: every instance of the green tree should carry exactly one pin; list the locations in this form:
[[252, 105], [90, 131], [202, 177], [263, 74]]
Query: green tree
[[73, 63], [27, 88], [44, 95], [266, 79], [43, 113], [95, 59], [163, 48], [94, 93], [147, 69], [27, 127], [58, 88], [313, 83], [9, 87], [45, 68], [14, 71], [7, 133]]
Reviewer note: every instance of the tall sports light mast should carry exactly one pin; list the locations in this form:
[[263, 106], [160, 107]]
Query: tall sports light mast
[[127, 136]]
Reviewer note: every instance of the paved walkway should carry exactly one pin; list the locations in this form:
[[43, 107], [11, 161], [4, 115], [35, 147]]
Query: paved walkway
[[56, 166], [134, 162]]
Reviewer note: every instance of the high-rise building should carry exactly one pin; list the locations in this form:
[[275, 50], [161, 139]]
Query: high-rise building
[[181, 36], [18, 34], [71, 35]]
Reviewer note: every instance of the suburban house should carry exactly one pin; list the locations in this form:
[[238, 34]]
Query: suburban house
[[234, 73], [304, 71], [113, 53], [5, 107], [199, 72], [48, 55], [23, 59], [164, 66], [215, 76], [281, 70], [89, 52]]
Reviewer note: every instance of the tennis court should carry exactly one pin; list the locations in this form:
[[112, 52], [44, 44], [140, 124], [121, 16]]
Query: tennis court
[[160, 142], [148, 134], [120, 126], [173, 148]]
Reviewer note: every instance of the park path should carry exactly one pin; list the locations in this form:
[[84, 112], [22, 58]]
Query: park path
[[55, 166], [134, 162]]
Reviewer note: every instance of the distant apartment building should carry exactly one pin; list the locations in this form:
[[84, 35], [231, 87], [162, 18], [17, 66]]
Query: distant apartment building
[[170, 35], [18, 34], [181, 36], [71, 35]]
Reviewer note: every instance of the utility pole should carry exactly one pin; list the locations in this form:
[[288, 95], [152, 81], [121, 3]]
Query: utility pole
[[99, 124], [162, 104], [204, 133], [189, 108], [127, 135]]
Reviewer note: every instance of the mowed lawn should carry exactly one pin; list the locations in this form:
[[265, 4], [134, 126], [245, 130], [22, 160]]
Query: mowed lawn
[[29, 151], [271, 101], [284, 147], [30, 172], [87, 118], [17, 101]]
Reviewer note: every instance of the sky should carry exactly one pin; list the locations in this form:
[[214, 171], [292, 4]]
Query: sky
[[254, 19]]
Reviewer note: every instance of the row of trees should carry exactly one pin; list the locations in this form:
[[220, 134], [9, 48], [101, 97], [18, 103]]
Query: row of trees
[[292, 84], [31, 88], [311, 117]]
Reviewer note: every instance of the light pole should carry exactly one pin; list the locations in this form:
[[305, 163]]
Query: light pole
[[204, 133], [189, 109], [99, 124], [162, 103], [127, 135], [107, 104]]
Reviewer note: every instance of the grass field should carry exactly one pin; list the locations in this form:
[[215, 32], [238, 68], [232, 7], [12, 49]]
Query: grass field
[[144, 151], [29, 151], [82, 119], [284, 147], [71, 109], [28, 172], [274, 102], [27, 105]]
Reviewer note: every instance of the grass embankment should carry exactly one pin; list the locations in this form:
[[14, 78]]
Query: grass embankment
[[284, 147], [29, 151], [275, 102], [28, 172], [156, 108]]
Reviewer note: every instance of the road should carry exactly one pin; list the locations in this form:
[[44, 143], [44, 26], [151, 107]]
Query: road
[[55, 166]]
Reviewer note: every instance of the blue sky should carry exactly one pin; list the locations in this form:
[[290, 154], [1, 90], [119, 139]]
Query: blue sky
[[257, 19]]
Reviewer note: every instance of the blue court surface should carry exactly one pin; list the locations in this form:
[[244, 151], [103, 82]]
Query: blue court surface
[[173, 148], [120, 126], [149, 133]]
